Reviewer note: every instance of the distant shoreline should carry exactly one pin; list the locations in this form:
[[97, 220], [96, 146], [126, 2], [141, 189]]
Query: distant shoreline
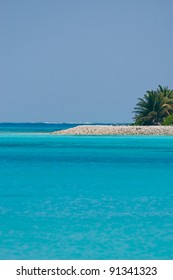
[[116, 130]]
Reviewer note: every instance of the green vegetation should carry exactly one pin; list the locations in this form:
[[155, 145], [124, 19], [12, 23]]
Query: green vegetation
[[168, 120], [155, 108]]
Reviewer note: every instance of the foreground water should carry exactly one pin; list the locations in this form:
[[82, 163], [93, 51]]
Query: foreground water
[[86, 197]]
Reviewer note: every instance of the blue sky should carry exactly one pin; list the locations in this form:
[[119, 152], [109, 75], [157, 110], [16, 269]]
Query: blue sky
[[82, 60]]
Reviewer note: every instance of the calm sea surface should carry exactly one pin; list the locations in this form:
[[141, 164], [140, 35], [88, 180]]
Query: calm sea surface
[[78, 197]]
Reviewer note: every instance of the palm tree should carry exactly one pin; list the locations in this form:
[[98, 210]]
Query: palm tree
[[166, 91], [154, 107]]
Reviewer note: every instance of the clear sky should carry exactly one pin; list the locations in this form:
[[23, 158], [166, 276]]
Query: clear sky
[[82, 60]]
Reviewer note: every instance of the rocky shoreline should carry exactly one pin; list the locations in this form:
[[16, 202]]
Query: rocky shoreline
[[116, 130]]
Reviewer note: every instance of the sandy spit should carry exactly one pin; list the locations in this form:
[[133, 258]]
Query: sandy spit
[[116, 130]]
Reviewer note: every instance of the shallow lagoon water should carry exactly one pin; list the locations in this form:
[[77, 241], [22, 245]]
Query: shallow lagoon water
[[78, 197]]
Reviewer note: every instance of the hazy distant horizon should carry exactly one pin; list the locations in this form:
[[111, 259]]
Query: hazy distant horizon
[[82, 61], [42, 122]]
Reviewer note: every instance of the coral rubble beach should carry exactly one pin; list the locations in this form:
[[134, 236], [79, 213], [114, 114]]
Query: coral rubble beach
[[116, 130]]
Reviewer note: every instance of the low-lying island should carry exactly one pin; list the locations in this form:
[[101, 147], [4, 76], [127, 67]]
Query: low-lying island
[[116, 130]]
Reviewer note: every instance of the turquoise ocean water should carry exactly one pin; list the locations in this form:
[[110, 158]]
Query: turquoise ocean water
[[78, 197]]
